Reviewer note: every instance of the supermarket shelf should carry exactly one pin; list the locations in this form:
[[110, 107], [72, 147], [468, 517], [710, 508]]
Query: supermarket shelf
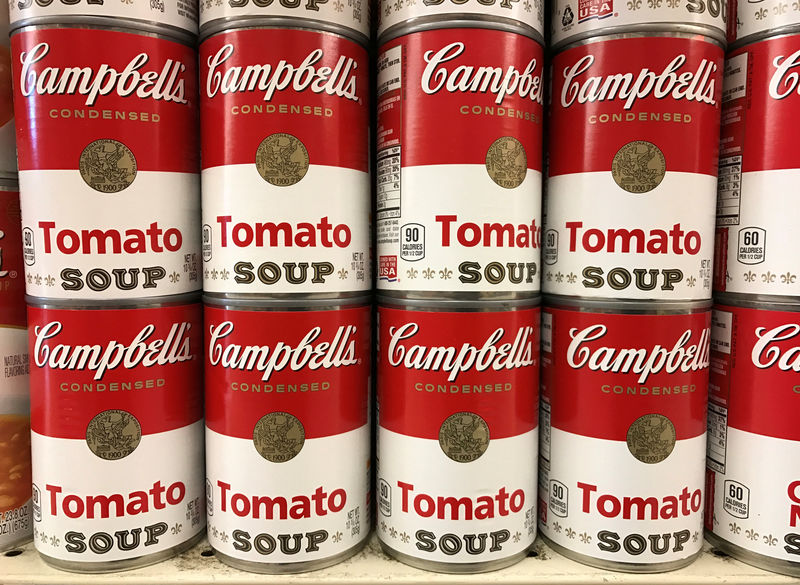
[[372, 566]]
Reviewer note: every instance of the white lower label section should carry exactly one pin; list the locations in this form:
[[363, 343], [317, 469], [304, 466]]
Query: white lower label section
[[602, 241], [451, 228], [89, 510], [14, 370], [312, 507], [763, 238], [435, 509], [604, 504], [143, 241], [757, 499], [313, 236]]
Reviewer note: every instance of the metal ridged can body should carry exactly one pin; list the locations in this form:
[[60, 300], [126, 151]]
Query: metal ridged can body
[[631, 189], [117, 433], [287, 434], [576, 20], [286, 184], [8, 139], [459, 164], [623, 434], [758, 228], [108, 162], [396, 18], [16, 522], [348, 17], [172, 16], [753, 499], [755, 20], [457, 434]]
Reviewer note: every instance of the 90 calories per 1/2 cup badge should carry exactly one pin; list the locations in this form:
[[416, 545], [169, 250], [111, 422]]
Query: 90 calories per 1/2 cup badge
[[459, 162], [287, 434], [457, 434], [105, 214], [632, 177], [623, 434], [285, 163]]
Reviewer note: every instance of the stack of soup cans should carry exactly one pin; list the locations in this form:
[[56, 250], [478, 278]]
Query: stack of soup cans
[[627, 271], [286, 244], [16, 520], [753, 501], [106, 116], [458, 235]]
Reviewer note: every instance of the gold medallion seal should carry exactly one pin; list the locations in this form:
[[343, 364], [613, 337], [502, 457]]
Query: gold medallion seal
[[506, 162], [107, 166], [464, 436], [278, 436], [639, 166], [281, 159], [651, 438], [113, 434]]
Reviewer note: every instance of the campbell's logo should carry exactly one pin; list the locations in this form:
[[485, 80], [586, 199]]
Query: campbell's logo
[[785, 80], [682, 356], [767, 352], [311, 352], [483, 79], [594, 9], [141, 351], [166, 84], [339, 80], [676, 81], [490, 355]]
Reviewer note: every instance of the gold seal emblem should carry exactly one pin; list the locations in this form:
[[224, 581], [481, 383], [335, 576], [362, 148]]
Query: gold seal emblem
[[464, 436], [107, 166], [639, 166], [278, 436], [651, 438], [506, 162], [281, 159], [113, 434]]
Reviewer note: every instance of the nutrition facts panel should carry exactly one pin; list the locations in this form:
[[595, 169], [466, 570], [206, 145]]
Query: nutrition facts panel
[[388, 189], [717, 437], [729, 190]]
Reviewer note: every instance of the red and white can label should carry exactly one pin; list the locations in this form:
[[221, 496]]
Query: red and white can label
[[530, 14], [624, 434], [353, 16], [8, 139], [459, 161], [117, 431], [457, 435], [107, 136], [180, 14], [579, 18], [762, 17], [287, 433], [754, 439], [633, 169], [758, 226], [286, 186]]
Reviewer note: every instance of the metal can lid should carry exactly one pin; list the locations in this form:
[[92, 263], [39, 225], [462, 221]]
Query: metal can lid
[[153, 15], [265, 303], [398, 17], [450, 305], [756, 301], [349, 17], [113, 304], [626, 307]]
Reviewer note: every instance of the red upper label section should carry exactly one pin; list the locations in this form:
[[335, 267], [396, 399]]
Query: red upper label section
[[601, 372], [143, 361], [434, 364], [460, 90], [312, 364], [759, 123], [258, 82], [758, 379], [608, 93], [12, 274], [73, 86]]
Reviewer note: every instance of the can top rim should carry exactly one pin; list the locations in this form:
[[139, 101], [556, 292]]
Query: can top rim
[[265, 303], [461, 20], [113, 304], [230, 23], [665, 29], [457, 305], [624, 306], [129, 26]]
